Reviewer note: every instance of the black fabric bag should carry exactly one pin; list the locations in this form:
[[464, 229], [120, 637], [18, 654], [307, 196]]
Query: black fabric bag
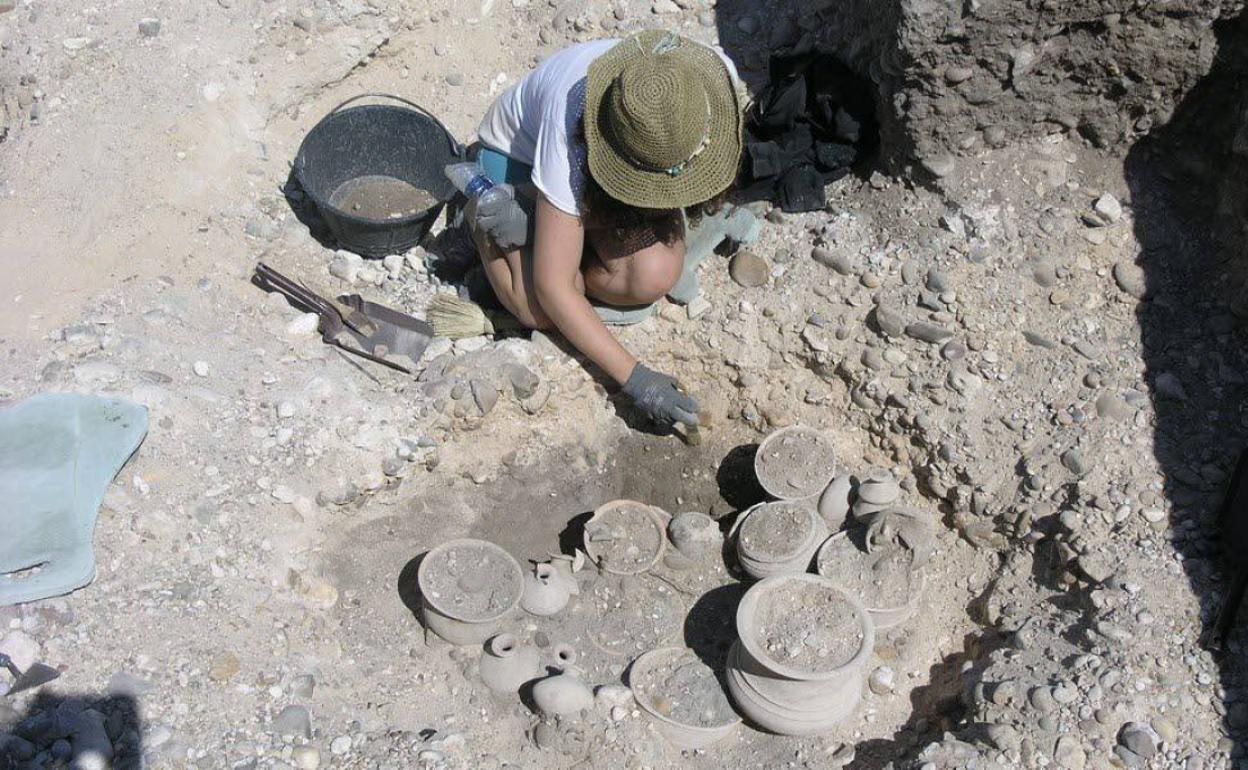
[[808, 127]]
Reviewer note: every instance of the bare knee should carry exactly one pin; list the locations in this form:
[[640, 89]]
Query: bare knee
[[654, 270], [535, 321]]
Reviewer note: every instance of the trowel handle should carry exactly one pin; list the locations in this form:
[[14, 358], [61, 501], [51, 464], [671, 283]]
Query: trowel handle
[[8, 663]]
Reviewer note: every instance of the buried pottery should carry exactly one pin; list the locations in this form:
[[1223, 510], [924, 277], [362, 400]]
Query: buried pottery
[[625, 537], [545, 591], [695, 535], [797, 666], [885, 579], [507, 664], [469, 588], [795, 462], [778, 538], [834, 502], [564, 693], [878, 491], [683, 697], [566, 568]]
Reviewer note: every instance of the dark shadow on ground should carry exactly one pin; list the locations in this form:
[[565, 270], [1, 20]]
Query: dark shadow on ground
[[62, 730], [936, 707], [710, 625], [1187, 188], [738, 484]]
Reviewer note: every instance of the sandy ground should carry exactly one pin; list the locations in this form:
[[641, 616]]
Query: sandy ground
[[264, 537]]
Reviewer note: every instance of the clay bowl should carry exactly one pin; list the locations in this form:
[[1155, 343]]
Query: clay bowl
[[785, 706], [442, 613], [760, 596], [832, 553], [680, 734], [795, 463], [643, 529], [794, 556]]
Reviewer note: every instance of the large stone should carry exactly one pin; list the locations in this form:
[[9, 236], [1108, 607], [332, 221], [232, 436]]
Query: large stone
[[748, 269], [1139, 739]]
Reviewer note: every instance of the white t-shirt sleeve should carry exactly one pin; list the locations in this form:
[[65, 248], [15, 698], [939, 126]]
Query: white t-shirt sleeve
[[560, 160]]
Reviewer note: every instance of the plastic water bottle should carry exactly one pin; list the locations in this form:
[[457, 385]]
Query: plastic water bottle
[[471, 181], [510, 229]]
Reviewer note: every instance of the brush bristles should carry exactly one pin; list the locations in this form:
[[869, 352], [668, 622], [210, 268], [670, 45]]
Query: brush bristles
[[456, 318]]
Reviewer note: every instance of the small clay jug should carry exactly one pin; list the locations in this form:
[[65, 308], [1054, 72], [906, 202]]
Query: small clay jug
[[564, 693], [695, 535], [545, 592], [566, 568], [506, 664]]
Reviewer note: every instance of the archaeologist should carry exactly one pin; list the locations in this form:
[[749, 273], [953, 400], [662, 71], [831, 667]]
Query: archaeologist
[[618, 143]]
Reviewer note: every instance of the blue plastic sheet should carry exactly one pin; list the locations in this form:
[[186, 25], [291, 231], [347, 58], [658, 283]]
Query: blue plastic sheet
[[58, 454]]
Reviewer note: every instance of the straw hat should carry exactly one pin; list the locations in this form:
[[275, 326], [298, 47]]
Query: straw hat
[[662, 122]]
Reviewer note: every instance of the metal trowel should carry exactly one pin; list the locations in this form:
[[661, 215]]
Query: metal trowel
[[355, 325], [38, 674]]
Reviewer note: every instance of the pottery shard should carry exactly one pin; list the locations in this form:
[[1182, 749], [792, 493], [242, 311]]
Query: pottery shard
[[748, 269], [834, 502], [928, 332]]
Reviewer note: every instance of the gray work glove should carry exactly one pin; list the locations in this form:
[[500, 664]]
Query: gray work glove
[[658, 396], [503, 218]]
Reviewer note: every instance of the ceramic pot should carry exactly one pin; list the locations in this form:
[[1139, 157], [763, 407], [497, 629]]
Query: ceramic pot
[[795, 463], [506, 664], [695, 535], [789, 707], [884, 617], [564, 693], [566, 568], [545, 592], [796, 556], [834, 502], [441, 614], [780, 696], [681, 735], [878, 491]]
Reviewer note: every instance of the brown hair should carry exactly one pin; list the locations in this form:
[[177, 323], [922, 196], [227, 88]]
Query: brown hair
[[599, 211]]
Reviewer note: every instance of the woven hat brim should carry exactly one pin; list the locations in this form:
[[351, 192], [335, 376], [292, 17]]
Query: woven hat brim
[[707, 175]]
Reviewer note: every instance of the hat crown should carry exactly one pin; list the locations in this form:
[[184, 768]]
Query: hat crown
[[658, 111]]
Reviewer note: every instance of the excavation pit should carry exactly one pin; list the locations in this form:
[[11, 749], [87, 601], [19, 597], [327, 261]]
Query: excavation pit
[[540, 506]]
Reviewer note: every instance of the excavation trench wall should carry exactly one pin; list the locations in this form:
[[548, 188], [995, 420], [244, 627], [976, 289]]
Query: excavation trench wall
[[953, 78]]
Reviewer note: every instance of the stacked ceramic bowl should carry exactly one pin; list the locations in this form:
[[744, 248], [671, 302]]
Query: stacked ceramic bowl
[[778, 538], [797, 667]]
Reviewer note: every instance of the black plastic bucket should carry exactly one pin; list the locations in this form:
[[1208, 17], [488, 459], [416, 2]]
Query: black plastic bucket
[[377, 141]]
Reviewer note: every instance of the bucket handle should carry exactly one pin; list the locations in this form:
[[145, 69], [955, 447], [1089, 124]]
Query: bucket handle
[[457, 149]]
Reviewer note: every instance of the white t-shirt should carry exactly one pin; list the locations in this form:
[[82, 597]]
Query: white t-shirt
[[536, 122]]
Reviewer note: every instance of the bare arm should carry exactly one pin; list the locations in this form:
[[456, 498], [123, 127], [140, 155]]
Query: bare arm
[[559, 241]]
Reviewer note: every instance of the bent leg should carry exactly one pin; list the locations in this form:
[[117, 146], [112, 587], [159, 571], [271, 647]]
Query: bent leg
[[511, 276]]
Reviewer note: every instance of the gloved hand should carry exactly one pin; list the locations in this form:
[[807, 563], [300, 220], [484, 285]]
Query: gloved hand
[[503, 218], [658, 396]]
